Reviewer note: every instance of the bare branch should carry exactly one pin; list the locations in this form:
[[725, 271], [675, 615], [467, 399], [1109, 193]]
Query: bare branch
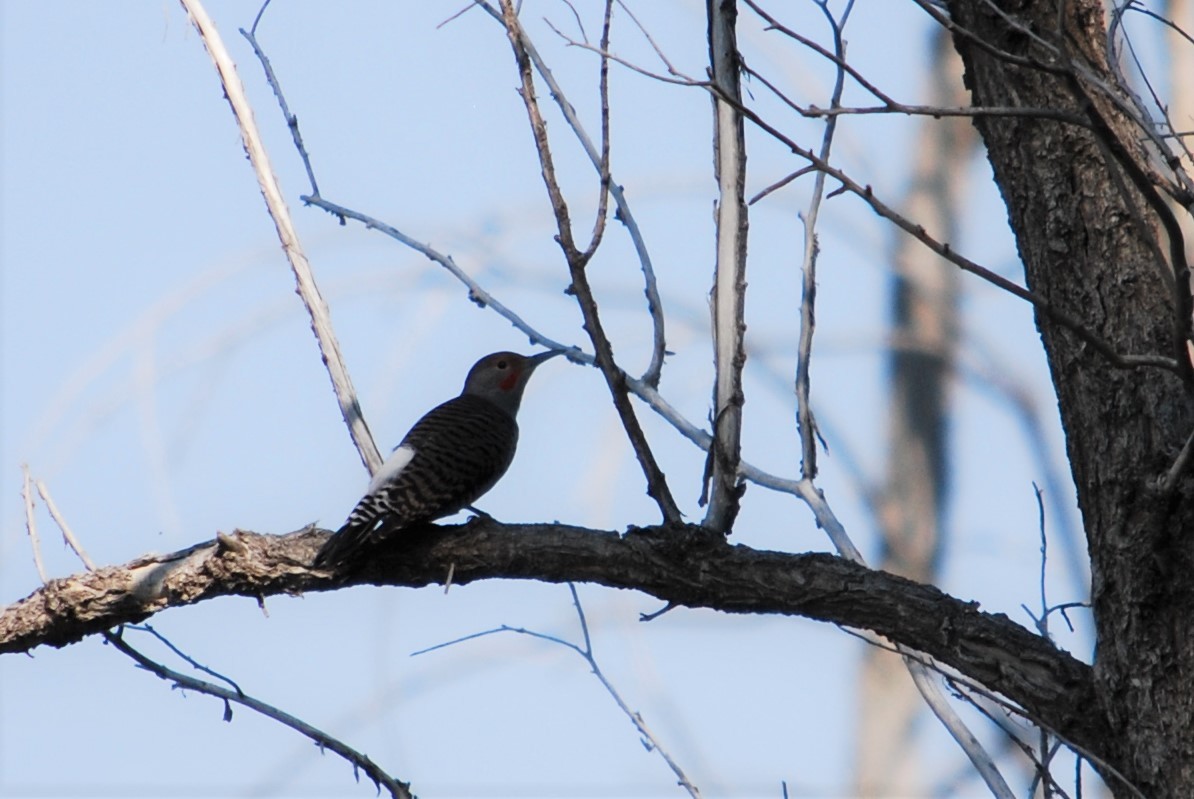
[[31, 523], [67, 535], [650, 741], [945, 251], [601, 164], [614, 377], [728, 297], [865, 193], [685, 566], [321, 323], [359, 760], [805, 422], [272, 79]]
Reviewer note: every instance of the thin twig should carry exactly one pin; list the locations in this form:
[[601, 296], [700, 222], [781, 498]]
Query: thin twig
[[1180, 186], [656, 484], [359, 761], [650, 39], [947, 252], [935, 111], [67, 535], [1180, 464], [31, 524], [1042, 775], [865, 193], [650, 741], [603, 165], [806, 424], [291, 119], [145, 628], [958, 680], [624, 214], [1042, 624], [321, 324]]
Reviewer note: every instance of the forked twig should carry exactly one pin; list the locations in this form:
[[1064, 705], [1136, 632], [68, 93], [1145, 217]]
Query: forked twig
[[359, 760], [577, 262], [31, 524], [624, 214], [235, 695], [586, 652]]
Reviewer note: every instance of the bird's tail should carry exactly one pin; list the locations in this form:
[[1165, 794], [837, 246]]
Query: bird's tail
[[342, 547]]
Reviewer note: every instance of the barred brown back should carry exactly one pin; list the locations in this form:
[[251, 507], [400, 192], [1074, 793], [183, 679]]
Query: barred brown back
[[462, 448]]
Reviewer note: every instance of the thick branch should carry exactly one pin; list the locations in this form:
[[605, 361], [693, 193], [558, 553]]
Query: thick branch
[[683, 566]]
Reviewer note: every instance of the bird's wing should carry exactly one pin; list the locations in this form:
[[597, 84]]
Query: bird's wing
[[391, 468], [452, 456]]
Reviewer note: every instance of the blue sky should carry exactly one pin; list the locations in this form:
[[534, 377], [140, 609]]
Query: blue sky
[[159, 374]]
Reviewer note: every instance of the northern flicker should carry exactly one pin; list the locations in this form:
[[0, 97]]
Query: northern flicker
[[452, 456]]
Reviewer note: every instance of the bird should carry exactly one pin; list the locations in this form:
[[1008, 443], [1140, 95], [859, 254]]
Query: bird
[[448, 460]]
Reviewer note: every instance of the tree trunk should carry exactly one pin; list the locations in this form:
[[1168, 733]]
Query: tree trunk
[[1092, 246]]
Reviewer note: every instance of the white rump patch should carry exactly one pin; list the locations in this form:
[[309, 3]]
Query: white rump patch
[[392, 467]]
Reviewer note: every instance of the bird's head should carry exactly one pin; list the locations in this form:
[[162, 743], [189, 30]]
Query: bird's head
[[502, 376]]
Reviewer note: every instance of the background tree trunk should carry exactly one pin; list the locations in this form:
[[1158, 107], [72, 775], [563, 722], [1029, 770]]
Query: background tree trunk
[[1088, 242], [923, 341]]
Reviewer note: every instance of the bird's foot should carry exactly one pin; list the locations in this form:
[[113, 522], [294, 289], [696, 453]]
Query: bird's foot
[[480, 513]]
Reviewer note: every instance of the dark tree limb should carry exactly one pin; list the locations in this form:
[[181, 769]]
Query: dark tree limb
[[682, 566]]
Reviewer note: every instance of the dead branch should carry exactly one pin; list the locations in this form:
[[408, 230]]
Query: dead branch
[[684, 566]]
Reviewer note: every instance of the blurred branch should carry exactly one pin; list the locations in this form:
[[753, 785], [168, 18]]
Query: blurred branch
[[577, 262], [929, 689], [920, 367], [586, 652], [685, 566], [321, 323]]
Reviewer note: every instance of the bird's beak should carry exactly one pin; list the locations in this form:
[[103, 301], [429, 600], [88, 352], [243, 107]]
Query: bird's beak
[[535, 360]]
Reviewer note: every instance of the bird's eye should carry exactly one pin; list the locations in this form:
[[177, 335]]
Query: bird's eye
[[502, 364]]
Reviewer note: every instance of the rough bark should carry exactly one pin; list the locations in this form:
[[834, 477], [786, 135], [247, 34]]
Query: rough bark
[[683, 565], [1092, 245]]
